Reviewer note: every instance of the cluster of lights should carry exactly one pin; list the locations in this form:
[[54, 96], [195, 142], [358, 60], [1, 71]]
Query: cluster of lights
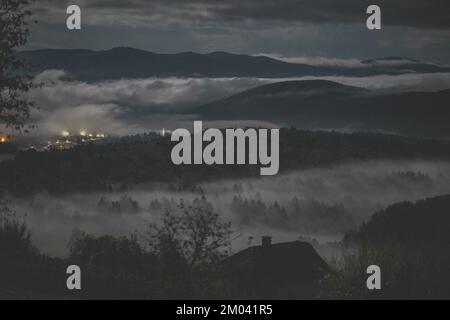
[[84, 133], [69, 139]]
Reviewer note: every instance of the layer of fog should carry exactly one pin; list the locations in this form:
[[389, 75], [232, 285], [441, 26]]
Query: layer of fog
[[140, 105], [345, 63], [318, 61], [318, 203]]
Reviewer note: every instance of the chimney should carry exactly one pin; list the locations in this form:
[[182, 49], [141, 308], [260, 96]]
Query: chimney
[[266, 242]]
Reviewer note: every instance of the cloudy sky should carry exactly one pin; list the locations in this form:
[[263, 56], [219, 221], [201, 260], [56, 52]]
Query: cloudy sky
[[319, 32], [417, 29]]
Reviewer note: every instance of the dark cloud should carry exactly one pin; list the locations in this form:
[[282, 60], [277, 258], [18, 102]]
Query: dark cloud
[[411, 13]]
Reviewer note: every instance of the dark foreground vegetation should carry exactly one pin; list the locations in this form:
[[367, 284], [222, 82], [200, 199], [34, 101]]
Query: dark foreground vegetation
[[121, 165], [178, 258], [8, 148], [182, 258], [411, 244]]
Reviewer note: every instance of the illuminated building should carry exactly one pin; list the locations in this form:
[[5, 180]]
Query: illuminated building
[[4, 139], [68, 140], [164, 132]]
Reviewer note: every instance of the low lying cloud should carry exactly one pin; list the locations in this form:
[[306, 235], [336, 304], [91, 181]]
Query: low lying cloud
[[318, 61], [319, 203], [124, 106], [431, 82], [133, 106], [345, 63]]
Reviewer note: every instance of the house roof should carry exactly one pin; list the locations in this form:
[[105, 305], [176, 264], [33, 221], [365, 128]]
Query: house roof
[[291, 257]]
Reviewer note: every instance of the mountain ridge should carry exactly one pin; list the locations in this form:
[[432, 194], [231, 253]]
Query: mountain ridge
[[319, 104], [127, 62]]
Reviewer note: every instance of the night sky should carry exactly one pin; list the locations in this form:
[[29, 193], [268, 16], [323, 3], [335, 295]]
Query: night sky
[[416, 29]]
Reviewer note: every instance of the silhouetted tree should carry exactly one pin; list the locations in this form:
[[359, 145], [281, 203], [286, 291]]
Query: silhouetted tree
[[109, 252], [15, 237], [197, 235], [190, 246], [14, 30]]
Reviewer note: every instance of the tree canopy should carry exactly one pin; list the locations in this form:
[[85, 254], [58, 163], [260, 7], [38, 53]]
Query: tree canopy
[[15, 19]]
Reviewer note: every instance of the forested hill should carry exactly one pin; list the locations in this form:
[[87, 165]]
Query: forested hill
[[409, 242], [106, 167], [319, 104], [423, 224]]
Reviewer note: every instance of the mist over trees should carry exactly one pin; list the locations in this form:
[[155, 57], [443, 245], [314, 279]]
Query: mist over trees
[[303, 216], [179, 257], [119, 166]]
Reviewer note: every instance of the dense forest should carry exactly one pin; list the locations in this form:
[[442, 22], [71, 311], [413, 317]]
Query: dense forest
[[409, 241], [117, 166]]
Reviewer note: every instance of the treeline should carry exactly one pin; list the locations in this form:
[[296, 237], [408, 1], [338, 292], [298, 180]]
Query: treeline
[[410, 242], [309, 217], [121, 165]]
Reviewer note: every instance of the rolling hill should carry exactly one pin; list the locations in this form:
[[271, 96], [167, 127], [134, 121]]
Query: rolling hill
[[124, 62], [328, 105]]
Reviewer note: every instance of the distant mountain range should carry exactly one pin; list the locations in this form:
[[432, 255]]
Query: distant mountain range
[[305, 104], [328, 105], [123, 62]]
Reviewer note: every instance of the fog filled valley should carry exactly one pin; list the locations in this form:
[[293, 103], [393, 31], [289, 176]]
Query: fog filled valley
[[134, 106], [319, 203], [224, 150], [364, 176], [330, 183], [147, 228]]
